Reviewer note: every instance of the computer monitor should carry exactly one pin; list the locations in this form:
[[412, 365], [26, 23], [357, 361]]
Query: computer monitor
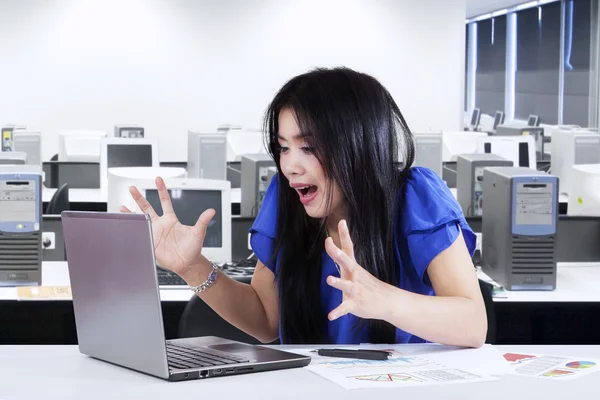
[[241, 142], [498, 119], [29, 142], [428, 151], [129, 131], [475, 118], [190, 198], [518, 149], [13, 158], [80, 145], [79, 175], [460, 142], [120, 179], [584, 198], [533, 120], [573, 147], [207, 155], [121, 152]]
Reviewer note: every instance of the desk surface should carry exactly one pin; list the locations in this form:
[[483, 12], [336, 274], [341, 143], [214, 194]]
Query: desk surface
[[576, 283], [61, 372], [100, 196], [56, 273]]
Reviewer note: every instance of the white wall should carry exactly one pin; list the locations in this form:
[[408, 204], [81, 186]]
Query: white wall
[[180, 64]]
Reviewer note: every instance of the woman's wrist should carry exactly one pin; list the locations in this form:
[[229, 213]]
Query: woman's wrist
[[198, 272], [393, 301]]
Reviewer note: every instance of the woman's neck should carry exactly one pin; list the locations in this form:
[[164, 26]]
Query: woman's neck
[[332, 223]]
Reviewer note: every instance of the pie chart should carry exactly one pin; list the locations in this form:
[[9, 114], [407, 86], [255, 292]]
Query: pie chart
[[581, 364]]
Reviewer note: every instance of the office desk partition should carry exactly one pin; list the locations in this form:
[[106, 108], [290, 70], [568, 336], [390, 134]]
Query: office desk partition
[[61, 372]]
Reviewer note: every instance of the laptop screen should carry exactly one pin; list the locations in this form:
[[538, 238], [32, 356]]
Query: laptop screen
[[188, 204]]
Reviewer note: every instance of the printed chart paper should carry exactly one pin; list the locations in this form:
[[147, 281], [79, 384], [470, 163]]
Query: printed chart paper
[[398, 371], [551, 367]]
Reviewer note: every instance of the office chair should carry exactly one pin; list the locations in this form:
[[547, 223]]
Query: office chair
[[198, 319], [486, 292], [59, 201]]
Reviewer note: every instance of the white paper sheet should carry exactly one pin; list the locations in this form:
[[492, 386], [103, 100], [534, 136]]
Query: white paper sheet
[[426, 365], [551, 367]]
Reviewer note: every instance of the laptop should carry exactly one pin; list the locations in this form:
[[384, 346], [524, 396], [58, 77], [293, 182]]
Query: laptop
[[117, 306]]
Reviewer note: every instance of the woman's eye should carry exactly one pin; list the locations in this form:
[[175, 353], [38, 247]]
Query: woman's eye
[[283, 149], [307, 150]]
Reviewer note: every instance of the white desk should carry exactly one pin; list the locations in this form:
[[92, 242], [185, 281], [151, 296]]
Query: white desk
[[78, 195], [576, 283], [56, 273], [61, 372], [99, 196]]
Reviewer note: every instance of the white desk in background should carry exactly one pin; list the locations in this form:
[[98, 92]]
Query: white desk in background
[[576, 283], [56, 273], [61, 372], [562, 198], [99, 196], [78, 195]]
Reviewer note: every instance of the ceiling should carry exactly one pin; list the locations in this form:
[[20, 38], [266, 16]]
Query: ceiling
[[479, 7]]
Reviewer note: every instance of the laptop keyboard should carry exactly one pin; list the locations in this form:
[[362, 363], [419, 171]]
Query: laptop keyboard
[[184, 357], [169, 278]]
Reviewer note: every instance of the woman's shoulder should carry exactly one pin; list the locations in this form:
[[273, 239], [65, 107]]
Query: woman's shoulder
[[426, 201]]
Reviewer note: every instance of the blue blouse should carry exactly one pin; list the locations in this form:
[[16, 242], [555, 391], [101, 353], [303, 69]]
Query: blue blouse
[[425, 225]]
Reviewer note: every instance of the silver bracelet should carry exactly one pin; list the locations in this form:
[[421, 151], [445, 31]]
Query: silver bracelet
[[212, 277]]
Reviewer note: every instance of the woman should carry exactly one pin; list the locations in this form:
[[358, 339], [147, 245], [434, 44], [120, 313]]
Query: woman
[[352, 248]]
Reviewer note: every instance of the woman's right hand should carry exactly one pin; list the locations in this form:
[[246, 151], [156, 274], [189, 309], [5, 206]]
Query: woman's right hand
[[177, 247]]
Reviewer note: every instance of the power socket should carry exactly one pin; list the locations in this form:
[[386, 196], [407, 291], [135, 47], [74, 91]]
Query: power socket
[[48, 240]]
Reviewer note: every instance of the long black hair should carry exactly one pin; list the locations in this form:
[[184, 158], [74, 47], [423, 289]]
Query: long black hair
[[360, 138]]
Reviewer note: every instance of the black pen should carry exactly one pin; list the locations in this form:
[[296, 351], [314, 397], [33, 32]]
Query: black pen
[[358, 354]]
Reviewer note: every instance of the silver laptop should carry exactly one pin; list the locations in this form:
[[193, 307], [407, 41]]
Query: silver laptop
[[117, 306]]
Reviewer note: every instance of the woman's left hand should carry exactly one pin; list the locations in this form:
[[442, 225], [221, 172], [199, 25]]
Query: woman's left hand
[[363, 294]]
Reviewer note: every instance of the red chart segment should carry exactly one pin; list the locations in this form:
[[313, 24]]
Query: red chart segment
[[514, 357]]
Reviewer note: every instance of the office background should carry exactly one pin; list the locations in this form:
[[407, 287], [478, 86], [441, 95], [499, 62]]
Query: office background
[[536, 58], [171, 66], [174, 66]]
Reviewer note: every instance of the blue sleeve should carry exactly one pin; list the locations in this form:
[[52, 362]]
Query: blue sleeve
[[431, 219], [263, 230]]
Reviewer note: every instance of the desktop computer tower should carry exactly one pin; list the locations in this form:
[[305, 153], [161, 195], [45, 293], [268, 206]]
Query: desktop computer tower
[[428, 151], [271, 172], [519, 228], [207, 155], [255, 181], [129, 131], [30, 143], [20, 226], [469, 180]]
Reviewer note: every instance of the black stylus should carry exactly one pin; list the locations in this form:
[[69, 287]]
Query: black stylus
[[358, 354]]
